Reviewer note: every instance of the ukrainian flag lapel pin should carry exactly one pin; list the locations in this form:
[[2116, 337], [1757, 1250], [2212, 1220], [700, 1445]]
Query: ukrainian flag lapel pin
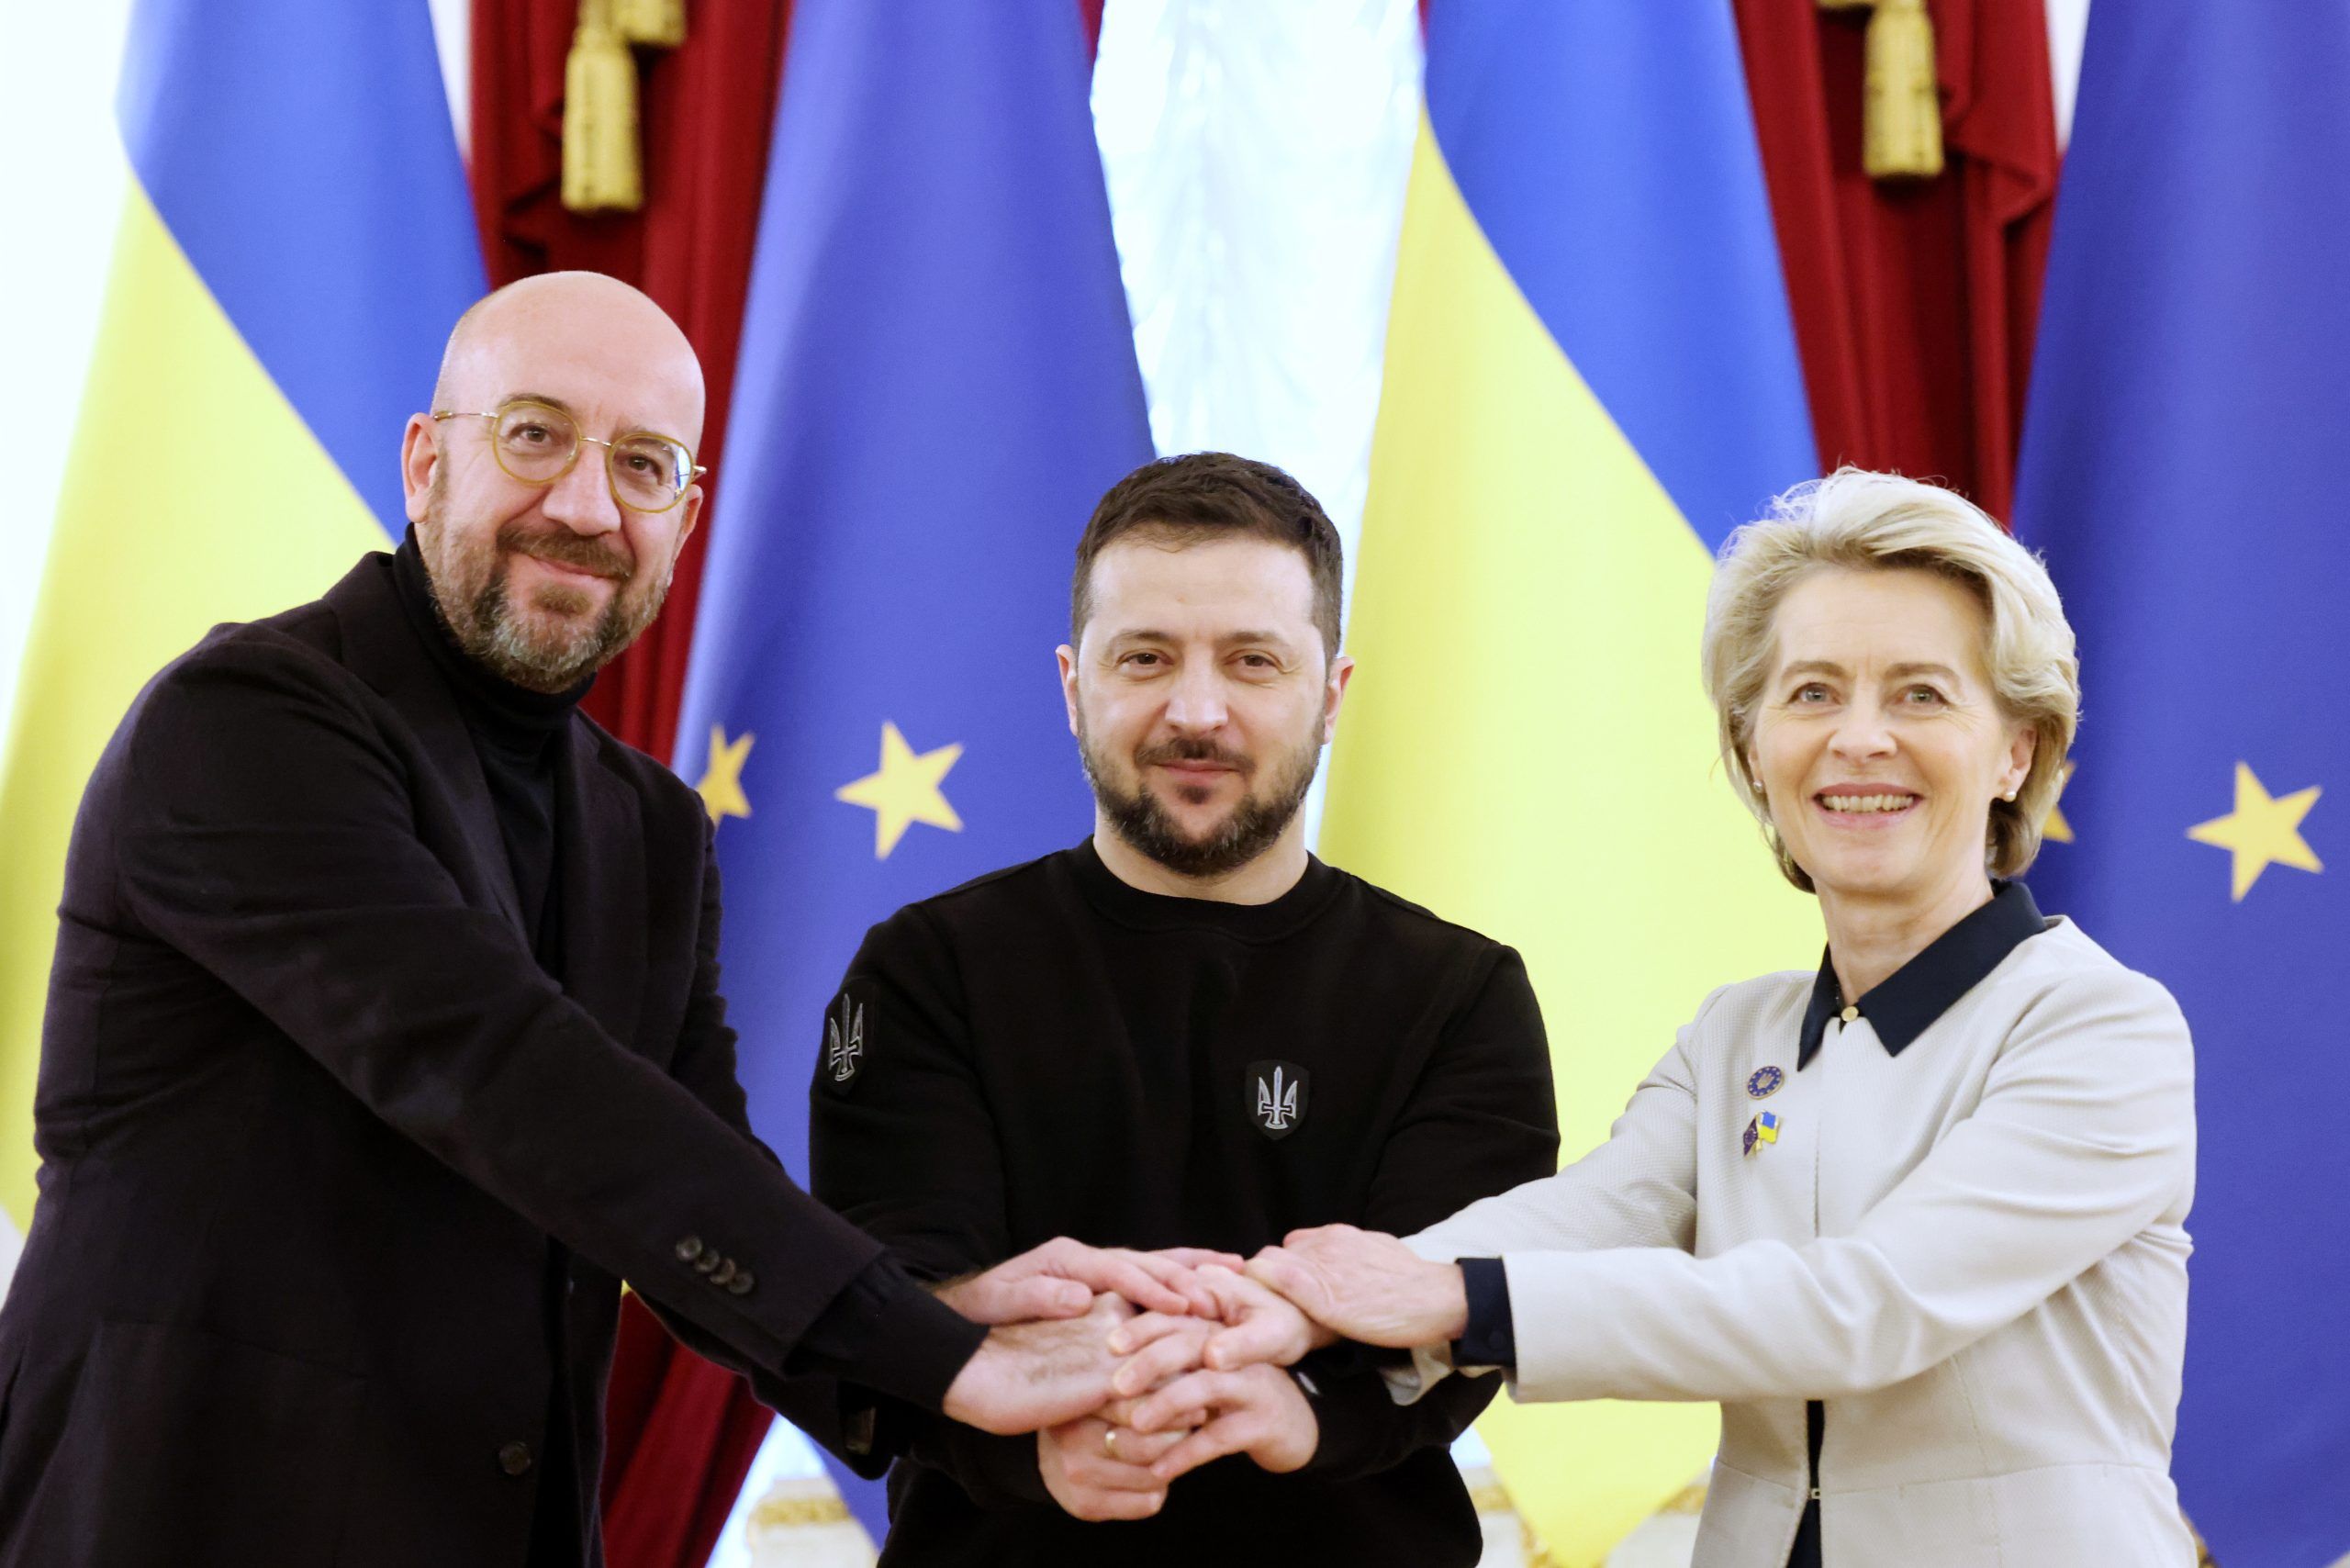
[[1761, 1129]]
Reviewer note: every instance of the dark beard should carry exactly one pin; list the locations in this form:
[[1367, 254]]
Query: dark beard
[[1144, 825]]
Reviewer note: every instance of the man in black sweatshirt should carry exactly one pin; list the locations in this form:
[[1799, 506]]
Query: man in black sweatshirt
[[1185, 1031]]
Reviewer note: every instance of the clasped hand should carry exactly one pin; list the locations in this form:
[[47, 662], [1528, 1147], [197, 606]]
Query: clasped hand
[[1084, 1338], [1193, 1351]]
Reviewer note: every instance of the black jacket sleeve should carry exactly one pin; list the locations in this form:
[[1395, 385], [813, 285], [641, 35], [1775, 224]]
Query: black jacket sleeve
[[1483, 1119], [883, 1330], [267, 830], [902, 1144]]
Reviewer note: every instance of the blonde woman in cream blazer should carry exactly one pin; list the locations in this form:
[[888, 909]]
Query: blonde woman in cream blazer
[[1916, 1221]]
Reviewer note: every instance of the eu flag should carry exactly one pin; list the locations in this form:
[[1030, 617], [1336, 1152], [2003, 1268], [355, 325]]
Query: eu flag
[[936, 382], [2182, 469]]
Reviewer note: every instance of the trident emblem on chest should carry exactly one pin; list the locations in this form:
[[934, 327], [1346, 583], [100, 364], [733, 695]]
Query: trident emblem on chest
[[1278, 1092], [1276, 1107]]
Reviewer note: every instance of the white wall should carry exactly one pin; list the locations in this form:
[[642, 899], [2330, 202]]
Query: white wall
[[66, 177], [2068, 24]]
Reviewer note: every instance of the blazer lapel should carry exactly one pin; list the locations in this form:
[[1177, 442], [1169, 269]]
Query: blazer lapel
[[600, 849], [379, 646]]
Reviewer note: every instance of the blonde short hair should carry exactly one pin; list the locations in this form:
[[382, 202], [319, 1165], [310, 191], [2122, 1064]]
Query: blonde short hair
[[1866, 522]]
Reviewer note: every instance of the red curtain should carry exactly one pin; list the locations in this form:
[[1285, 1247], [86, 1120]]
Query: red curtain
[[1915, 301], [680, 1432], [707, 110]]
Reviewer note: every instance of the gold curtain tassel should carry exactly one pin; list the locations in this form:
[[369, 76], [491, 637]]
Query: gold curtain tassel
[[601, 168], [658, 24], [1901, 125]]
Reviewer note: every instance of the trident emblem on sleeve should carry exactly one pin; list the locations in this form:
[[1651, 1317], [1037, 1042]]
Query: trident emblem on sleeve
[[844, 1041]]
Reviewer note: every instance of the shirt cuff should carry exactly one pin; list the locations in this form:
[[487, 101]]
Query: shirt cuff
[[1491, 1338], [886, 1333]]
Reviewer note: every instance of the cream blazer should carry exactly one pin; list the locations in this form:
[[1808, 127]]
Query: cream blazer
[[1974, 1252]]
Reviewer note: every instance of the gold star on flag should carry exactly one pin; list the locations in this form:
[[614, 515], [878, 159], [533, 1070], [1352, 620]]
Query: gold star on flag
[[2056, 830], [721, 779], [904, 791], [2262, 830]]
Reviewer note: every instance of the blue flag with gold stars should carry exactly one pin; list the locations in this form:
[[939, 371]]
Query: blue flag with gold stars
[[936, 382], [2183, 471]]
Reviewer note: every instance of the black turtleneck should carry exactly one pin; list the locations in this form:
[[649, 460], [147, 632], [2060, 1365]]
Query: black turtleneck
[[520, 735]]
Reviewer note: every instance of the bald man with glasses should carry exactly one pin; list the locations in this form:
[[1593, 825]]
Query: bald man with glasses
[[385, 1040]]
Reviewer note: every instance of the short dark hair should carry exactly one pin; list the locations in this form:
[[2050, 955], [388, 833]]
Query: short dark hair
[[1203, 495]]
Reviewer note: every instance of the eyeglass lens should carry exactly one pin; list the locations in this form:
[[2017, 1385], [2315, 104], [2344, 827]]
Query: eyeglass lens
[[537, 443]]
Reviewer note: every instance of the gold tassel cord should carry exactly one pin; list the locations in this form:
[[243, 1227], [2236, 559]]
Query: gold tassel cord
[[1901, 129], [659, 23], [600, 169], [1901, 120]]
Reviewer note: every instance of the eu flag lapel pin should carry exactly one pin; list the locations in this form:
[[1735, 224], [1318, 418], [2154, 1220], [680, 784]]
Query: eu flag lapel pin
[[1763, 1128]]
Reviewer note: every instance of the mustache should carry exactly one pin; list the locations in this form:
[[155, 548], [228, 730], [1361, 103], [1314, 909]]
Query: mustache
[[567, 549], [1191, 749]]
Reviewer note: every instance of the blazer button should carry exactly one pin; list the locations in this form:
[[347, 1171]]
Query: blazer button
[[689, 1249], [724, 1271], [708, 1261], [514, 1458], [741, 1283]]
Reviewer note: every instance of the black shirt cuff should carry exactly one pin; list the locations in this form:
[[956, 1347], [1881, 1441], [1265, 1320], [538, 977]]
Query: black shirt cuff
[[1491, 1338], [886, 1333]]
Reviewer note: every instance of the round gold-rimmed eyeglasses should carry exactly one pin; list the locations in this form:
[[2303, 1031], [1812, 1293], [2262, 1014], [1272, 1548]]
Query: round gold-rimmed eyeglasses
[[538, 443]]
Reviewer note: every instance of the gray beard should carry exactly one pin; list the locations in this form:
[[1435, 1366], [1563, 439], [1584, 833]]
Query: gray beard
[[498, 639], [484, 623]]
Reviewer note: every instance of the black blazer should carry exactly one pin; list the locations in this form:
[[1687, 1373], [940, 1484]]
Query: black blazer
[[308, 1113]]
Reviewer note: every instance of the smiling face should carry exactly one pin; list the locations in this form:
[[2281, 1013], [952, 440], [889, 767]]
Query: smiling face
[[546, 583], [1879, 744], [1201, 696]]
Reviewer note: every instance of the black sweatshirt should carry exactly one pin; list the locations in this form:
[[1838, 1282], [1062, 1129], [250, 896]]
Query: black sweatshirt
[[1048, 1052]]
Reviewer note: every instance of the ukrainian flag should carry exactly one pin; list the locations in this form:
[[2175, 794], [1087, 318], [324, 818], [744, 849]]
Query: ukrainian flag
[[1591, 379], [296, 241]]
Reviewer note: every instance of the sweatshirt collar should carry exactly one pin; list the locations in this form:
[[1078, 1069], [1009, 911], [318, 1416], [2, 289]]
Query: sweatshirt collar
[[1162, 912]]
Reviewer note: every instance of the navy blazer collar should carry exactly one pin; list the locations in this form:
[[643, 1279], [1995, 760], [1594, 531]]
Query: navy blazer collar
[[1907, 1002]]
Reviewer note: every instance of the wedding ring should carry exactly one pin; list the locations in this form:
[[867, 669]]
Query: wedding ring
[[1110, 1442]]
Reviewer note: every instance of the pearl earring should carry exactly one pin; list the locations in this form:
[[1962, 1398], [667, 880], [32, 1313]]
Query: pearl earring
[[2009, 795]]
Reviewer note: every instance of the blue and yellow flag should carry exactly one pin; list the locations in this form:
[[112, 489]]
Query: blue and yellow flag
[[1591, 379], [295, 244], [2182, 470], [937, 382]]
